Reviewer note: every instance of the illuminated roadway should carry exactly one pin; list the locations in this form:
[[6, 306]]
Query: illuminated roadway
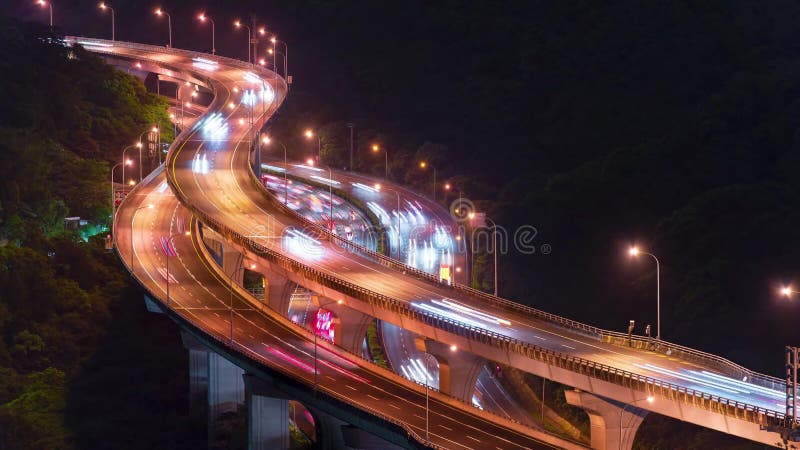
[[224, 194], [199, 293]]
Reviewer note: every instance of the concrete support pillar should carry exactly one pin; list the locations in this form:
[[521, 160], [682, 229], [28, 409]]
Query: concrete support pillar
[[277, 292], [198, 376], [333, 434], [613, 424], [267, 416], [458, 370], [349, 326], [225, 390]]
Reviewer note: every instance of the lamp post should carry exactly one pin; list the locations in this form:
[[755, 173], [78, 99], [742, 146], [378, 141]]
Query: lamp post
[[104, 7], [494, 247], [266, 140], [635, 251], [133, 217], [160, 12], [314, 331], [399, 240], [169, 240], [423, 165], [50, 6], [113, 206], [127, 162], [239, 24], [310, 134], [152, 130], [275, 41], [203, 18], [377, 148]]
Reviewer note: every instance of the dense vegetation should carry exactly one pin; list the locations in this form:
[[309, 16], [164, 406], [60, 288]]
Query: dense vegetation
[[73, 373]]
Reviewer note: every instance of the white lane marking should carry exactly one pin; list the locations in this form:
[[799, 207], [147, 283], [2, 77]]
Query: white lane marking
[[474, 439], [565, 345], [351, 387], [393, 406], [372, 397], [446, 428]]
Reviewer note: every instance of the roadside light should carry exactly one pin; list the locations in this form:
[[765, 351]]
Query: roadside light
[[471, 215], [447, 186], [236, 89], [128, 162], [458, 269], [269, 50], [262, 61], [377, 186], [375, 147], [423, 164], [252, 266], [194, 94], [131, 182], [453, 348], [154, 130], [786, 291], [310, 161], [231, 105], [266, 140], [139, 144], [458, 237], [650, 399], [309, 134], [138, 65], [633, 251], [188, 104], [262, 30], [272, 39]]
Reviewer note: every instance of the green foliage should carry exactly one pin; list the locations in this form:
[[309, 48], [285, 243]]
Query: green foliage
[[375, 345]]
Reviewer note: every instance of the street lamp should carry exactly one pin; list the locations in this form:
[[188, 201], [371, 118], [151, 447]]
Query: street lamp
[[113, 206], [128, 162], [133, 217], [160, 12], [494, 246], [309, 134], [314, 331], [239, 24], [169, 240], [376, 148], [203, 17], [787, 291], [423, 165], [399, 240], [49, 5], [634, 252], [266, 140], [285, 53], [104, 7]]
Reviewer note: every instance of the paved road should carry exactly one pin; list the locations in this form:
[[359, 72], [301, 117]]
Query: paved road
[[150, 227], [224, 194]]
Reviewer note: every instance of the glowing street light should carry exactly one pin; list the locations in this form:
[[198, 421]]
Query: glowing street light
[[239, 24], [309, 134], [423, 165], [123, 163], [266, 141], [160, 12], [376, 148], [634, 251], [203, 17], [787, 291], [104, 7], [50, 6]]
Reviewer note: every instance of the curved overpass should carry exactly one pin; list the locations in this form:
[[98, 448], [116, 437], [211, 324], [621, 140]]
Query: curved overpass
[[669, 379]]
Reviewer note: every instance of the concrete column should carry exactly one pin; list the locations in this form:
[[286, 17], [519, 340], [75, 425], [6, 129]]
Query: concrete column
[[198, 375], [349, 326], [225, 389], [267, 416], [458, 370], [613, 424]]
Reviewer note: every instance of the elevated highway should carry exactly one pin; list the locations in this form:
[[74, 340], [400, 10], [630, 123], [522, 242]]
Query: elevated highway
[[459, 324]]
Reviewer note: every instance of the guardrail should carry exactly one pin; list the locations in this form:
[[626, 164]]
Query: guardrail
[[572, 363]]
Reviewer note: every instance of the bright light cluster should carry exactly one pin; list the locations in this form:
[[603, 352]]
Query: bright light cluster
[[200, 164], [214, 126], [302, 244]]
